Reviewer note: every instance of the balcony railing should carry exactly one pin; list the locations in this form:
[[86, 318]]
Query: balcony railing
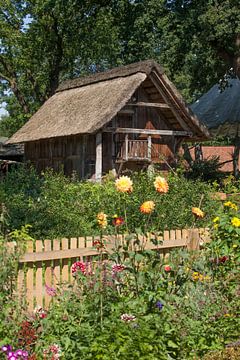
[[130, 150]]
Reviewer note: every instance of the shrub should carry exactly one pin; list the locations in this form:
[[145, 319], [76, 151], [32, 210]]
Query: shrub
[[56, 206]]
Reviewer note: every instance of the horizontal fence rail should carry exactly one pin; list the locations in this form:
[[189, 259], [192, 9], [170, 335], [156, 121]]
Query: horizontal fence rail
[[47, 263]]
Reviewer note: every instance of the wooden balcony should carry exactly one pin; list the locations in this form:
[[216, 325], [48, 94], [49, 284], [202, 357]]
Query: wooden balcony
[[134, 150]]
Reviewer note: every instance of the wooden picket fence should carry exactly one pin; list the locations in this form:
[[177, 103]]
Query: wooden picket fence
[[48, 262]]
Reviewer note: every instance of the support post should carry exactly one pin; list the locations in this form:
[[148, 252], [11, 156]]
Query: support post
[[126, 147], [98, 164], [149, 152]]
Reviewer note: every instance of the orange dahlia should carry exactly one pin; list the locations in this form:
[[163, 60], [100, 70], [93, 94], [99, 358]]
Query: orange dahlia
[[198, 213], [161, 185], [124, 184], [147, 207]]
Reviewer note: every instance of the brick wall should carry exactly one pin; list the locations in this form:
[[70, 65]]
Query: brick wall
[[224, 152]]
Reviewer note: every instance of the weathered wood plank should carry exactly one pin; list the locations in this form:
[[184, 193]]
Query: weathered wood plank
[[147, 131], [150, 104], [98, 165], [39, 275], [65, 268], [48, 271], [29, 279]]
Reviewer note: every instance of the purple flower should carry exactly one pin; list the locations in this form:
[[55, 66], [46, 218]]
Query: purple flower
[[6, 348], [159, 305], [11, 356], [25, 354], [18, 352], [50, 290]]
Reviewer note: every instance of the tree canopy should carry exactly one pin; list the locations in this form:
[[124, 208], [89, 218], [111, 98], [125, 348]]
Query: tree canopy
[[43, 42]]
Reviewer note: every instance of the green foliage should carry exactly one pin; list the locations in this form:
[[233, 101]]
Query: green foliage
[[226, 230], [11, 310], [206, 169], [131, 302], [55, 206], [196, 41], [175, 314]]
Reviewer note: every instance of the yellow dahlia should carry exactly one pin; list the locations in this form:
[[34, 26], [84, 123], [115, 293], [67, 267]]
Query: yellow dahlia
[[231, 205], [198, 212], [102, 220], [161, 184], [124, 184], [147, 207], [235, 221]]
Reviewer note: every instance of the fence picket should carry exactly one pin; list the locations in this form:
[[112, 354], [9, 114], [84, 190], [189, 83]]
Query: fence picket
[[73, 245], [39, 276], [48, 272], [29, 279], [56, 266], [52, 259], [65, 269]]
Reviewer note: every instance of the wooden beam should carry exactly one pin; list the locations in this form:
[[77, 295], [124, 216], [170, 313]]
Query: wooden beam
[[148, 104], [168, 98], [98, 164], [148, 131]]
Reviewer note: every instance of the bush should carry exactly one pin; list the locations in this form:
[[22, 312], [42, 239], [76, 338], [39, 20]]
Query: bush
[[11, 308], [55, 206]]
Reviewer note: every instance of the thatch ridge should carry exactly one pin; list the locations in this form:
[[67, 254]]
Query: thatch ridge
[[145, 67]]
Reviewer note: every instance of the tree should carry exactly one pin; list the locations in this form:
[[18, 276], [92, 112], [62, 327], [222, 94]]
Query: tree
[[195, 40]]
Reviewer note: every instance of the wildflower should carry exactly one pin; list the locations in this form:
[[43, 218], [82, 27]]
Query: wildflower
[[159, 305], [19, 352], [117, 220], [50, 290], [117, 268], [40, 312], [234, 246], [54, 351], [231, 205], [6, 348], [220, 260], [124, 184], [198, 213], [11, 356], [98, 244], [128, 317], [235, 221], [167, 268], [102, 220], [79, 266], [147, 207], [161, 185], [216, 219]]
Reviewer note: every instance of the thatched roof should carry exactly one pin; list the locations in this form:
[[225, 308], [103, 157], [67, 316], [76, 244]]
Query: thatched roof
[[85, 105], [220, 111]]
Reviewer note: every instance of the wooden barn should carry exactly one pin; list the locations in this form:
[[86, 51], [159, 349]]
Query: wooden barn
[[127, 117]]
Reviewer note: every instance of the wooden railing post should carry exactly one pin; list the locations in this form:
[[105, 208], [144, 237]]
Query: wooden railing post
[[149, 148], [126, 147]]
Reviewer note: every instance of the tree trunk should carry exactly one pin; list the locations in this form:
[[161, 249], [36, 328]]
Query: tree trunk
[[236, 157]]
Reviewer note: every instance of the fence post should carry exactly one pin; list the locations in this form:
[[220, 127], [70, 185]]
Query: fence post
[[193, 240]]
